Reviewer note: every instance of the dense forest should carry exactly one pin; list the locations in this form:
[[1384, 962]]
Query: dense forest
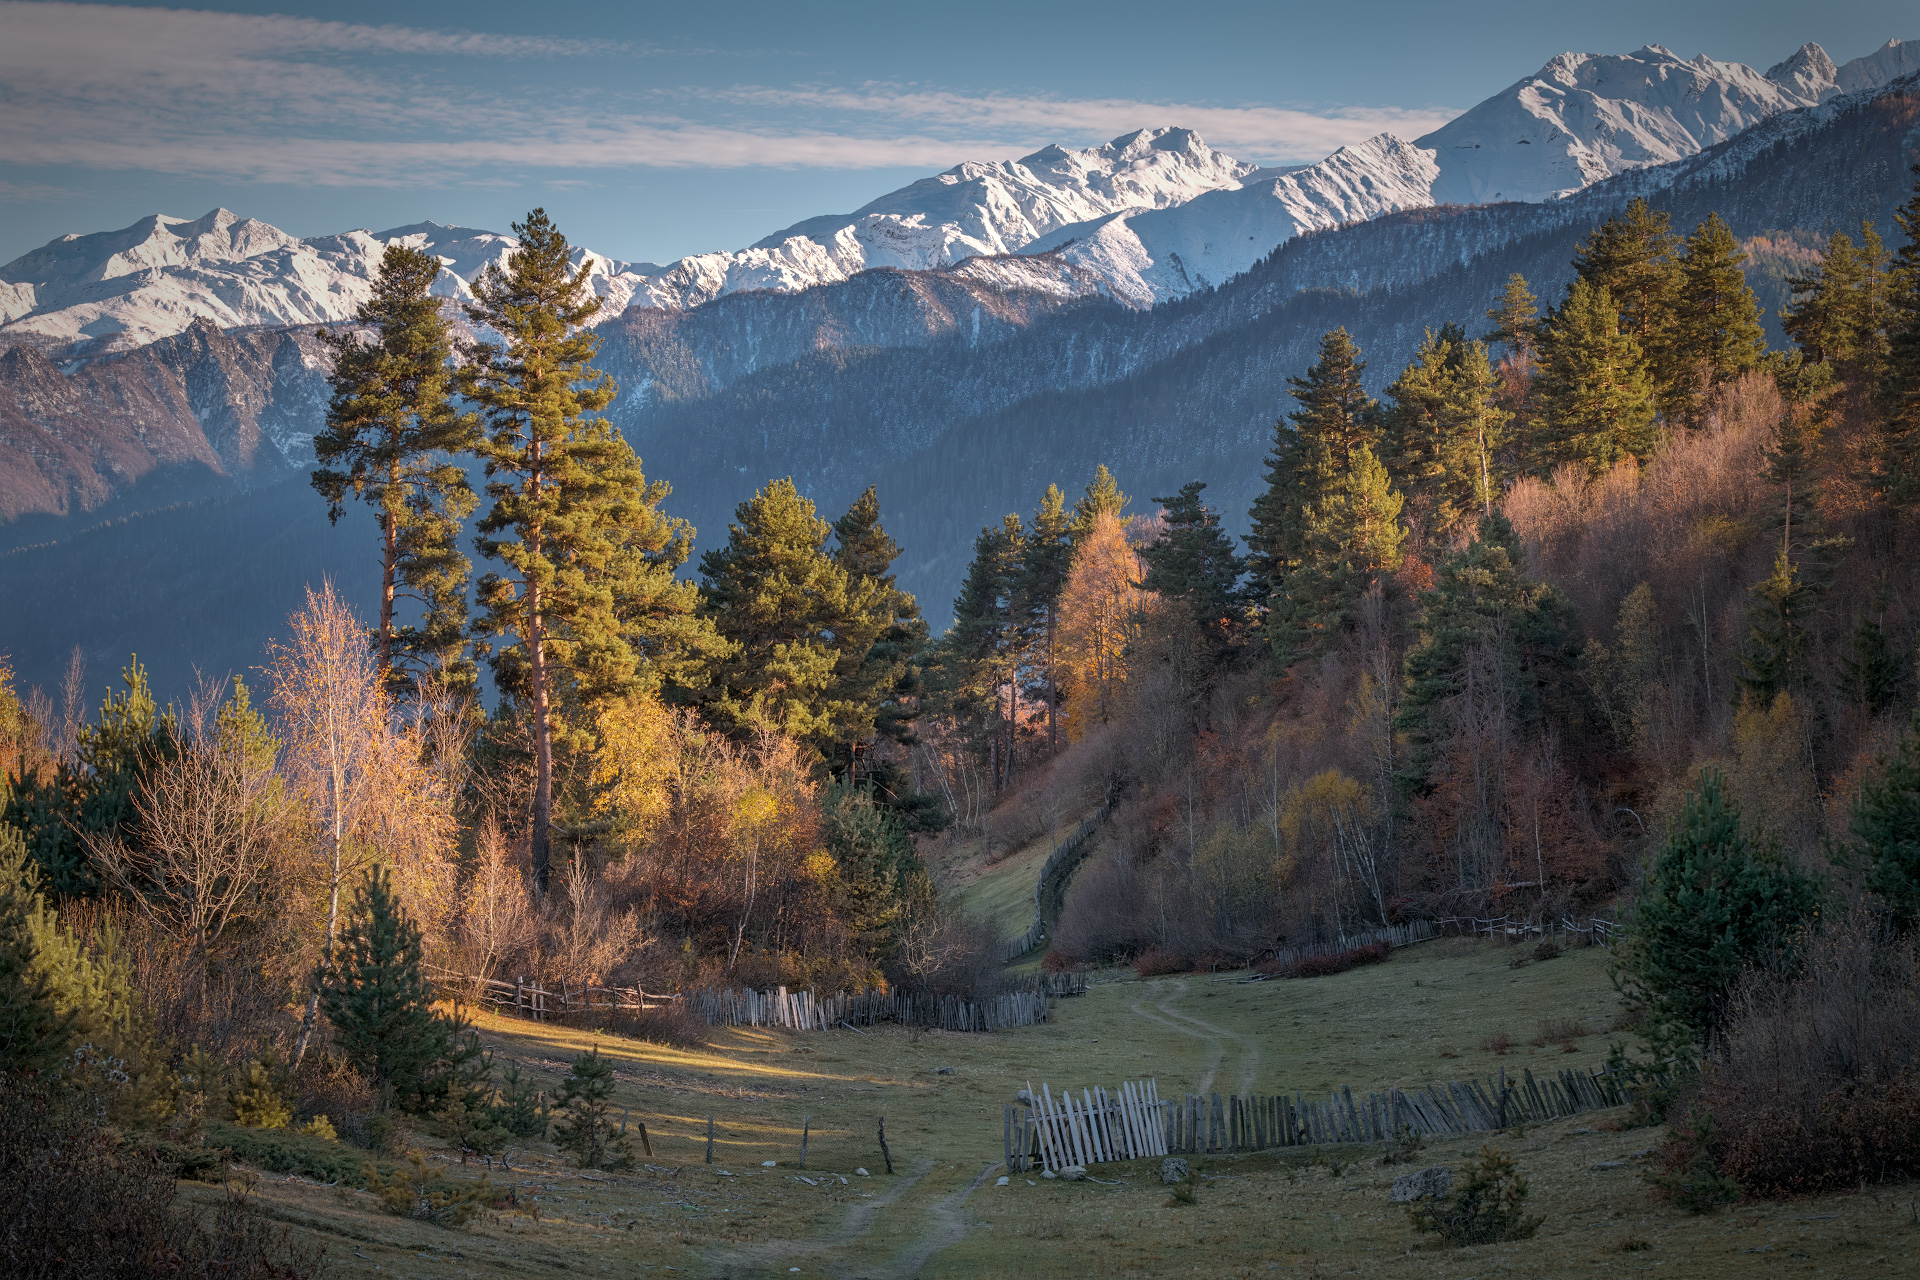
[[1603, 608]]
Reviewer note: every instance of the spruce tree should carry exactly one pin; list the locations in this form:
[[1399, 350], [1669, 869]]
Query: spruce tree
[[800, 626], [1898, 468], [886, 678], [1594, 395], [1633, 256], [1048, 556], [377, 998], [1716, 333], [1194, 563], [586, 590], [1714, 903], [1779, 638], [587, 1128], [1480, 598], [1886, 829], [391, 438], [1102, 495], [1872, 675], [1304, 476], [980, 654], [1821, 316], [1445, 435], [1515, 320]]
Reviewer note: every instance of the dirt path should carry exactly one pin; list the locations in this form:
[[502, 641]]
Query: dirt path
[[1219, 1041], [945, 1223]]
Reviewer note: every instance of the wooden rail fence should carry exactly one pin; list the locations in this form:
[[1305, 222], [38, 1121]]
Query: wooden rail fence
[[778, 1007], [1397, 935], [1595, 931], [1053, 1134]]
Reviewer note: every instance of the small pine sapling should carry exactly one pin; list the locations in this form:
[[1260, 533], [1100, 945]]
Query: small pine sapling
[[259, 1096], [518, 1107], [588, 1129], [1689, 1176], [471, 1125], [1487, 1206], [416, 1191]]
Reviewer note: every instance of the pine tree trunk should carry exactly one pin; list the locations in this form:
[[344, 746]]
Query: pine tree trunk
[[389, 553], [542, 737]]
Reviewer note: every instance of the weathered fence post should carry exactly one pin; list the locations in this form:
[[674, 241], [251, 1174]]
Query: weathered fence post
[[885, 1154], [709, 1137]]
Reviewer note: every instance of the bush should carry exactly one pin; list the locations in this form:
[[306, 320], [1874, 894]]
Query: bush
[[259, 1096], [1687, 1173], [1328, 965], [1155, 962], [417, 1191], [673, 1024], [1819, 1090], [77, 1204], [1548, 950], [1487, 1206], [587, 1128], [292, 1151]]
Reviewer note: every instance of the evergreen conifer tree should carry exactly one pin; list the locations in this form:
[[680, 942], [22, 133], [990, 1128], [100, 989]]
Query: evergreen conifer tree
[[1779, 639], [1633, 256], [801, 626], [885, 679], [1304, 478], [1716, 334], [1102, 495], [1048, 556], [1821, 317], [1594, 395], [980, 654], [1515, 320], [587, 588], [390, 440], [1480, 597], [378, 1000], [1872, 675], [92, 797], [587, 1128], [1898, 470], [1886, 829], [1194, 562], [1714, 903], [1445, 434], [33, 1033]]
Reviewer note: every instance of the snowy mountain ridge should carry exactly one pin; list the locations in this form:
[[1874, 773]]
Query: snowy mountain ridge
[[1151, 215], [1580, 119]]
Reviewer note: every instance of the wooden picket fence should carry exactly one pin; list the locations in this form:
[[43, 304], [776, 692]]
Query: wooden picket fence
[[1098, 1127], [1053, 1134], [1517, 929]]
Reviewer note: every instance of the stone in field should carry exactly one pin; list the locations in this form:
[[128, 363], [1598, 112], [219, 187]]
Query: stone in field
[[1173, 1169], [1409, 1187]]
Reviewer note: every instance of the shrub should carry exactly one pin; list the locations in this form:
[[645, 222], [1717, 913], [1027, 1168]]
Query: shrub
[[320, 1127], [1687, 1173], [308, 1155], [1327, 965], [1548, 950], [1559, 1031], [259, 1096], [418, 1191], [1501, 1043], [1488, 1205], [77, 1203], [673, 1024], [1819, 1089], [1156, 961]]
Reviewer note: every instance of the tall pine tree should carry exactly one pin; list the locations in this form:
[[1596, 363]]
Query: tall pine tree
[[886, 678], [1043, 576], [1445, 434], [1194, 564], [391, 438], [1102, 495], [1594, 396], [1716, 333], [587, 588], [1898, 468]]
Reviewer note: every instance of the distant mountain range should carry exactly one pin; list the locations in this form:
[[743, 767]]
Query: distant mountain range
[[962, 387], [1152, 215]]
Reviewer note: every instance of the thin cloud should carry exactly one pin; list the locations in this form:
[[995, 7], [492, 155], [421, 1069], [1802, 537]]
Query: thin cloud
[[198, 94]]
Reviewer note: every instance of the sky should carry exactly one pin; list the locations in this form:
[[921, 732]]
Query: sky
[[651, 131]]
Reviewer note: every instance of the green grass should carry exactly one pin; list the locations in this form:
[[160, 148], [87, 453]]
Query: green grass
[[1274, 1214]]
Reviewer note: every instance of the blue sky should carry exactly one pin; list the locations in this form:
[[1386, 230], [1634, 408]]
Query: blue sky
[[655, 130]]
